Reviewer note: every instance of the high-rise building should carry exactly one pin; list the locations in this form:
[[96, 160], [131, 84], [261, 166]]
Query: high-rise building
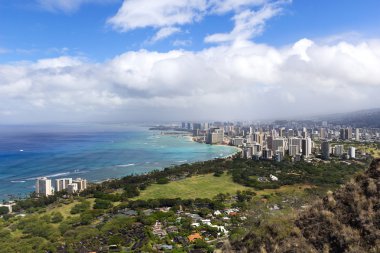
[[72, 188], [281, 132], [256, 149], [306, 147], [342, 134], [197, 126], [215, 136], [325, 147], [238, 141], [351, 152], [205, 126], [267, 154], [270, 142], [296, 142], [322, 133], [338, 150], [279, 145], [43, 187], [279, 156], [247, 152], [349, 133], [357, 134], [81, 184], [62, 183], [293, 150], [346, 133], [258, 137]]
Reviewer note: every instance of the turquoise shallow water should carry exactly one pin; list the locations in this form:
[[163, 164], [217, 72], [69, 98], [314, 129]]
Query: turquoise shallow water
[[94, 152]]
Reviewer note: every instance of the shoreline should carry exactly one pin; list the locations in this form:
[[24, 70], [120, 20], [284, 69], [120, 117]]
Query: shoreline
[[192, 139], [25, 195]]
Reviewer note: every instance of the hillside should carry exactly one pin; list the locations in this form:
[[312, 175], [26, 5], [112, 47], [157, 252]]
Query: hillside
[[344, 221], [363, 118], [190, 208]]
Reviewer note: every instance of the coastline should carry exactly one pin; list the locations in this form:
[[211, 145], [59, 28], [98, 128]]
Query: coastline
[[192, 139], [20, 185], [218, 145]]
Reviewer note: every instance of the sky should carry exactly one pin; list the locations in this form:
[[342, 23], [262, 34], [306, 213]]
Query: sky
[[198, 60]]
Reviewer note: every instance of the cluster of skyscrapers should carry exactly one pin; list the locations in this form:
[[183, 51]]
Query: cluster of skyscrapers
[[273, 141], [44, 186]]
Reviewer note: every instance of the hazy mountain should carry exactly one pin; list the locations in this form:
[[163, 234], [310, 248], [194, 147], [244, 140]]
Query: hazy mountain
[[362, 118]]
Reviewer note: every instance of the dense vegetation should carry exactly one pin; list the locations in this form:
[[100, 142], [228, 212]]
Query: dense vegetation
[[110, 214], [344, 221], [245, 172]]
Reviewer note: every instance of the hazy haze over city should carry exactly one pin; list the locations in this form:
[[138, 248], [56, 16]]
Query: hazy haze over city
[[139, 60]]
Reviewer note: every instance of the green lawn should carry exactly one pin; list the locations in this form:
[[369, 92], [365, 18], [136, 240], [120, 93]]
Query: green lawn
[[65, 209], [374, 152], [202, 186]]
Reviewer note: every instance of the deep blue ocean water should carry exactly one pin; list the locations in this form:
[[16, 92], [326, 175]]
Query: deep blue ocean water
[[95, 152]]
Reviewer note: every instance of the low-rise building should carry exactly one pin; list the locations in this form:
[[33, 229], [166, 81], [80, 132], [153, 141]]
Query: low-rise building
[[8, 205]]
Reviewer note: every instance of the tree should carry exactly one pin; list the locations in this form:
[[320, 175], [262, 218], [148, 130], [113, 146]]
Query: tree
[[56, 217], [4, 210], [162, 180], [102, 204]]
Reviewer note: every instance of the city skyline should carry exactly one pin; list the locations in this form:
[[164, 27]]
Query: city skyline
[[90, 60]]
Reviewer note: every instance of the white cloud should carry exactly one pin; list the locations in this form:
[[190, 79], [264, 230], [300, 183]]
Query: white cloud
[[248, 24], [164, 13], [300, 48], [237, 81], [167, 14], [68, 6], [163, 33], [223, 6]]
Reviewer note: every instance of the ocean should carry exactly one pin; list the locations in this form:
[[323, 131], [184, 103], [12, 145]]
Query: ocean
[[95, 152]]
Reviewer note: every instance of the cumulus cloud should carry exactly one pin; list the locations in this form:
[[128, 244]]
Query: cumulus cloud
[[167, 15], [239, 81], [135, 14], [248, 24]]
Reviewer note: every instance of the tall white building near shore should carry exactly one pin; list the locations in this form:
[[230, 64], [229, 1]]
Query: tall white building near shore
[[72, 188], [62, 183], [81, 183], [44, 187]]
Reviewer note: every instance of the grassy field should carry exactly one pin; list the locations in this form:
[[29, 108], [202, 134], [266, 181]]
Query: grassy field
[[286, 189], [202, 186], [374, 152], [65, 209]]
